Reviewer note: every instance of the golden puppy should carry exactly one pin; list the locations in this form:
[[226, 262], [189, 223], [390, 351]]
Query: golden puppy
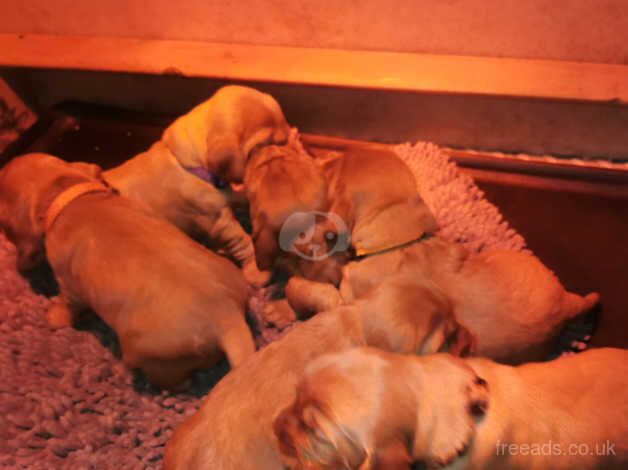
[[375, 194], [373, 206], [220, 134], [447, 412], [511, 303], [174, 305], [176, 177], [233, 428]]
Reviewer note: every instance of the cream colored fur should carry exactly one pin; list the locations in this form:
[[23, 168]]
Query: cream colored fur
[[233, 428], [458, 414]]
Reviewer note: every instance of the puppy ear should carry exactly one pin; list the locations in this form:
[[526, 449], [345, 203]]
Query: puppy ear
[[332, 443], [307, 435], [446, 423], [286, 427]]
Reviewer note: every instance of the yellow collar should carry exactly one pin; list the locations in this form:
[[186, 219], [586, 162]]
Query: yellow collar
[[66, 197], [361, 254]]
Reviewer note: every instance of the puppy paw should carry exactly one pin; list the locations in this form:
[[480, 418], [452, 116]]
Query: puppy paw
[[59, 315], [254, 276], [279, 313], [462, 406]]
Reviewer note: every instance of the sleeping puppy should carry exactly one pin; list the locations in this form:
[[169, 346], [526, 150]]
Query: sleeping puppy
[[233, 428], [458, 414], [176, 178], [174, 305], [511, 303]]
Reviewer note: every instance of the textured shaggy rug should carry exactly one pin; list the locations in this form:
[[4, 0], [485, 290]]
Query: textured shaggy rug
[[67, 402]]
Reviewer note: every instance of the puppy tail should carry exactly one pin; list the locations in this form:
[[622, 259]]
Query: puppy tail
[[574, 304], [237, 343]]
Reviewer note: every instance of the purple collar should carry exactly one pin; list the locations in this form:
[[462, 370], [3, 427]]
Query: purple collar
[[207, 176]]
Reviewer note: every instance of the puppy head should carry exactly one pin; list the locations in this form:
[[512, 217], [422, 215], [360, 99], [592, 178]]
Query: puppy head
[[352, 406], [410, 316], [220, 133], [288, 198], [28, 185]]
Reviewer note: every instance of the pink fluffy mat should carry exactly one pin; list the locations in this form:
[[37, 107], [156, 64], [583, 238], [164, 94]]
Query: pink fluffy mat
[[67, 402]]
